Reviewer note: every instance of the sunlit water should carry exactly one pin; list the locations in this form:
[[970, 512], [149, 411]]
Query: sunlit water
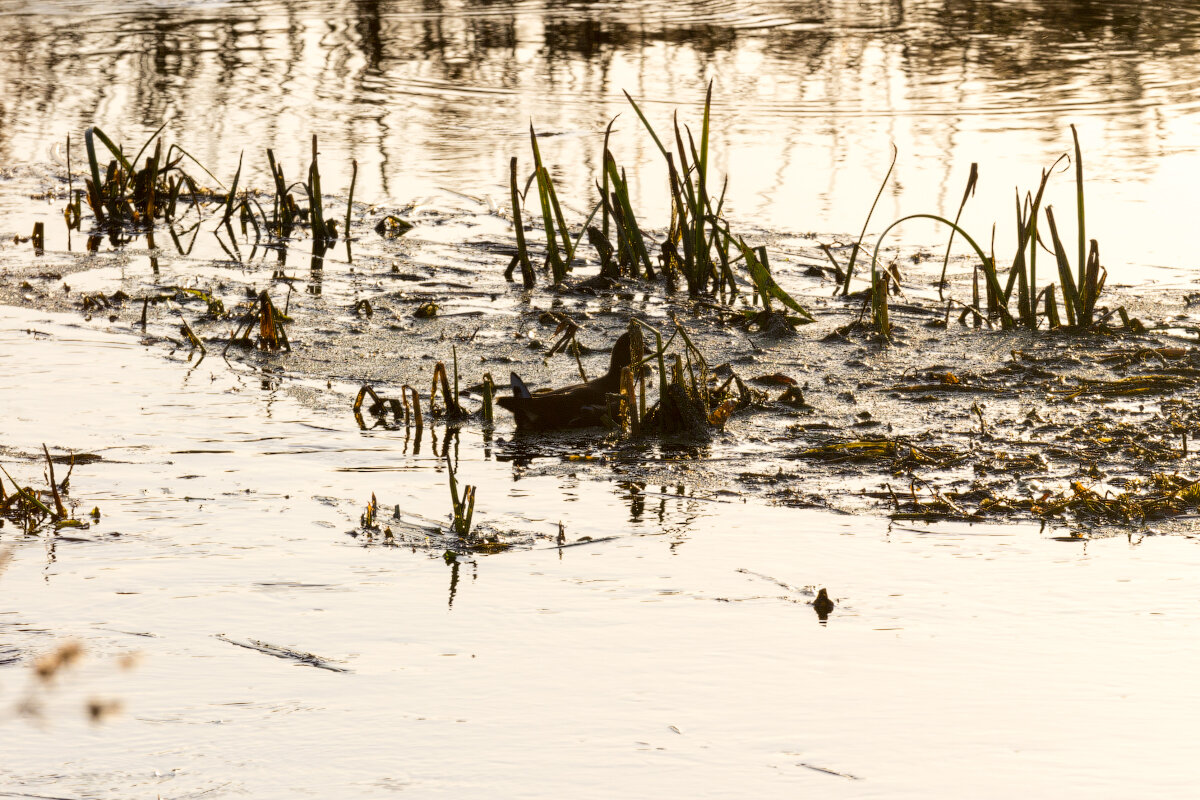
[[645, 665], [809, 98], [983, 661]]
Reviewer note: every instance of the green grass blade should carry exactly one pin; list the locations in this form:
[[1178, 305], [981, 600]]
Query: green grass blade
[[702, 266], [153, 136], [559, 220], [229, 198], [989, 267], [116, 151], [1079, 207], [867, 221], [1070, 292], [350, 199], [94, 166], [632, 232], [766, 283], [649, 128], [550, 213], [557, 267], [972, 180], [193, 159], [582, 232], [604, 177]]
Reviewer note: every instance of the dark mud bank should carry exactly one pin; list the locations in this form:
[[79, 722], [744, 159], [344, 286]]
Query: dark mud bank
[[942, 421]]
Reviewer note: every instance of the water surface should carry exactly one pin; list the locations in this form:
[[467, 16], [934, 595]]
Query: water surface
[[676, 653], [665, 660], [809, 99]]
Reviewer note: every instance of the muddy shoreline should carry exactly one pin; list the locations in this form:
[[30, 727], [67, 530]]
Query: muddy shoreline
[[943, 422]]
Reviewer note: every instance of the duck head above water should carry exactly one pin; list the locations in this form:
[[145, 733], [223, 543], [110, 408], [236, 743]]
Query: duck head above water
[[581, 405]]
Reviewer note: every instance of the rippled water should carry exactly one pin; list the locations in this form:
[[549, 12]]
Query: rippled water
[[809, 98], [676, 653]]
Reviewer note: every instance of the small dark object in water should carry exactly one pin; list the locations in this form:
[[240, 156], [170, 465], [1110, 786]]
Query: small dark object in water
[[582, 405], [823, 605]]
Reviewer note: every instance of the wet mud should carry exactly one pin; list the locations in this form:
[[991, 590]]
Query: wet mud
[[947, 420]]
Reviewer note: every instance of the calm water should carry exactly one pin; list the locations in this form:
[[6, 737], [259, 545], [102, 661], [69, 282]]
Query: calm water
[[984, 661], [646, 665]]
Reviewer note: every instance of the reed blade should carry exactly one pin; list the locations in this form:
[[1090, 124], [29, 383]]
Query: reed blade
[[862, 234], [1070, 291]]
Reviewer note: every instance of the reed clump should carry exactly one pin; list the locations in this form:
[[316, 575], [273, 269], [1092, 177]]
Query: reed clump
[[699, 250], [119, 193], [126, 193], [462, 506], [36, 509], [688, 402], [263, 317], [1017, 301]]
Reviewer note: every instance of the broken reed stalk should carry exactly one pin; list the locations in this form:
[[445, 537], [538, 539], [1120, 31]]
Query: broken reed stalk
[[283, 210], [232, 195], [440, 379], [629, 402], [879, 304], [272, 335], [315, 198], [190, 335], [464, 507], [489, 393], [405, 391], [522, 256], [155, 165]]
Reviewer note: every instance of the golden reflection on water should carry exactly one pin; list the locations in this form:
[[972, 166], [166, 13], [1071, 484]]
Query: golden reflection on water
[[643, 664], [810, 96], [680, 657]]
